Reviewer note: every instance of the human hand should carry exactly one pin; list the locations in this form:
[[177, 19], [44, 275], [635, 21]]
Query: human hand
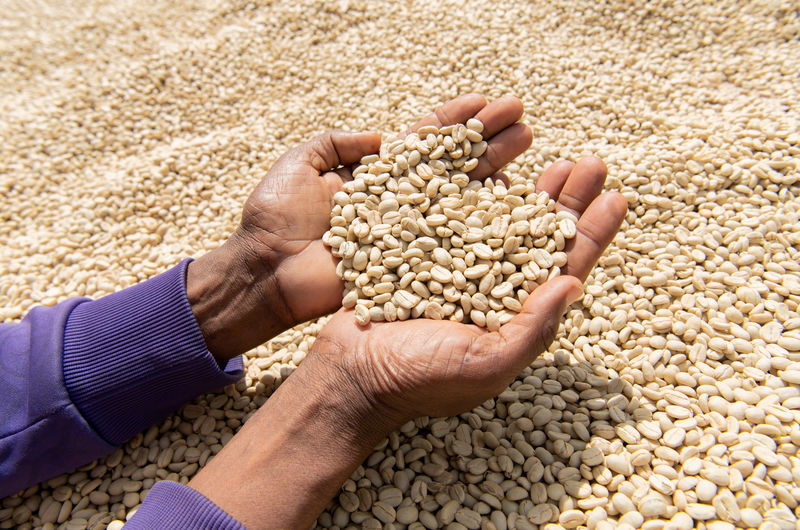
[[274, 272], [357, 384], [439, 368]]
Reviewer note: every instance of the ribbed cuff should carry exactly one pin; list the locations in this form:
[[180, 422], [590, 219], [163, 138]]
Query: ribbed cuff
[[134, 356], [173, 505]]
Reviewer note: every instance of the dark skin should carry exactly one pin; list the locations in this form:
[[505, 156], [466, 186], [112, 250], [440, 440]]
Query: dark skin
[[258, 283], [357, 383]]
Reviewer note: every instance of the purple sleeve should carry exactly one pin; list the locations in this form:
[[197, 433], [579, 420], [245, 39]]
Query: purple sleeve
[[81, 377], [172, 505], [42, 433]]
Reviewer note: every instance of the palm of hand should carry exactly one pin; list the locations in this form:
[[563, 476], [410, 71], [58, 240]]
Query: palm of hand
[[285, 217], [288, 209], [441, 368], [418, 367]]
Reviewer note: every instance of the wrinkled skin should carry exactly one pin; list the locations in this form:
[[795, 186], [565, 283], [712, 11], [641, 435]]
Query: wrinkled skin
[[357, 384], [413, 367], [439, 368]]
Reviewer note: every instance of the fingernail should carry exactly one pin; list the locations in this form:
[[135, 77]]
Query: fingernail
[[575, 293]]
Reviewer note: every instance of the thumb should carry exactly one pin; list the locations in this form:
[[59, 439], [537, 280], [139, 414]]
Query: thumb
[[531, 331], [332, 149]]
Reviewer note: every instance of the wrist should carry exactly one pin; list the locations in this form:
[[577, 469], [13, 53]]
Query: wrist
[[232, 297], [351, 404], [292, 457]]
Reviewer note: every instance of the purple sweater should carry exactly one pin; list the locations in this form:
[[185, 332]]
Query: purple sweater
[[81, 377]]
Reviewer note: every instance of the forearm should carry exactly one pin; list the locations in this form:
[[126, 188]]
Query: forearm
[[292, 457], [84, 376]]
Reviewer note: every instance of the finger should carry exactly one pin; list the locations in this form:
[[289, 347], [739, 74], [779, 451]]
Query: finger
[[350, 147], [530, 332], [334, 179], [554, 177], [502, 149], [502, 177], [332, 149], [584, 184], [457, 110], [596, 229], [499, 114]]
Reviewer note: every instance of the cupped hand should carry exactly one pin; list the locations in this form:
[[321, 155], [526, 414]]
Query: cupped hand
[[287, 214], [438, 368], [285, 217], [274, 272]]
